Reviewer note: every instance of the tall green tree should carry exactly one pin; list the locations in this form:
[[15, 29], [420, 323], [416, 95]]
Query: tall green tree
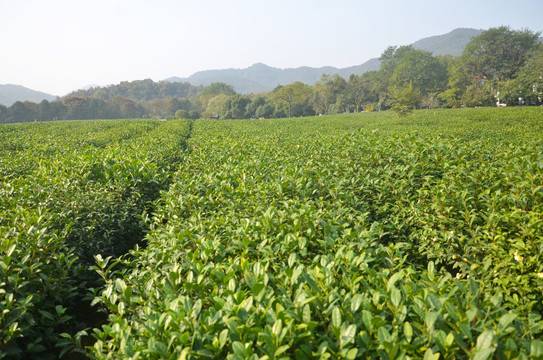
[[215, 105], [529, 81], [212, 90], [125, 108], [375, 90], [182, 114], [389, 60], [290, 96], [317, 98], [217, 88], [253, 106], [265, 111], [499, 53], [337, 94], [76, 107], [357, 90], [404, 97], [193, 114], [58, 110], [488, 62], [3, 114], [330, 95], [45, 111], [235, 107], [423, 71], [465, 89]]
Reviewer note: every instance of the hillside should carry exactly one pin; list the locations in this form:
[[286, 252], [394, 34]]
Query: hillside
[[260, 77], [140, 90], [10, 93], [452, 43]]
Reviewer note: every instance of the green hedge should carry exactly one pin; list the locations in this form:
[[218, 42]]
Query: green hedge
[[69, 191], [358, 236]]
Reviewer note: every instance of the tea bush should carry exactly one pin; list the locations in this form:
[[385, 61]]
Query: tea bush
[[69, 191], [353, 236], [356, 236]]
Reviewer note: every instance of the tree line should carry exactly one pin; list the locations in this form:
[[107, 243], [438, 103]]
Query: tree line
[[85, 108], [501, 66], [135, 99], [142, 90]]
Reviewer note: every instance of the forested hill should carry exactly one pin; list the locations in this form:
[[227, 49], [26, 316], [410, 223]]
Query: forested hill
[[261, 78], [452, 43], [142, 90]]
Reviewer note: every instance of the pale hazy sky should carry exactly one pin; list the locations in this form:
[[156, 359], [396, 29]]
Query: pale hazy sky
[[57, 46]]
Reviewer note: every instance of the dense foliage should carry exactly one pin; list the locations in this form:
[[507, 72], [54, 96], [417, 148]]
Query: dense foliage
[[353, 236], [69, 191], [359, 236], [142, 90]]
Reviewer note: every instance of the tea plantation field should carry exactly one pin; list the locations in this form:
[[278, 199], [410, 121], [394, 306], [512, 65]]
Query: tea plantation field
[[69, 191], [336, 237]]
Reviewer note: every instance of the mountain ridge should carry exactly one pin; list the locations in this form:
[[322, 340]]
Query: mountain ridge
[[260, 77], [451, 43], [11, 93]]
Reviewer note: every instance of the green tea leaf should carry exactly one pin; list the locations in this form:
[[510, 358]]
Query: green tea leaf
[[347, 335], [408, 331], [393, 279], [395, 297], [536, 349], [336, 317], [505, 321], [485, 340], [351, 354], [356, 302], [238, 348], [429, 355], [483, 354]]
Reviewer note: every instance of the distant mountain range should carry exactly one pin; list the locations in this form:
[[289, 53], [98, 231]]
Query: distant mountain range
[[10, 93], [261, 78]]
